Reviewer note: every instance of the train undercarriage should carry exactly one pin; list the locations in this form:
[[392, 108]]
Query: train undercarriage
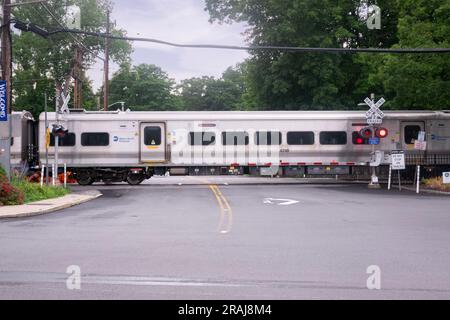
[[135, 176]]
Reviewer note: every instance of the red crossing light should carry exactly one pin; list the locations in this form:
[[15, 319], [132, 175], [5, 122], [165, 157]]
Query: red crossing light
[[366, 133], [382, 132]]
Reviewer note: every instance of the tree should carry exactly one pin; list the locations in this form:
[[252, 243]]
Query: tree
[[208, 93], [143, 87], [41, 64], [419, 81], [284, 80]]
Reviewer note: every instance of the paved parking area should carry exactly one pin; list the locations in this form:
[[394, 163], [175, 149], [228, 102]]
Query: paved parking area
[[216, 241]]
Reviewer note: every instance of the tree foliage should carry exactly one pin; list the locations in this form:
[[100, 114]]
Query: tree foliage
[[143, 87], [419, 81], [283, 80], [208, 93], [41, 63]]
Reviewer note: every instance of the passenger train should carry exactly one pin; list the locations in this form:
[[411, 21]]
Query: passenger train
[[132, 146]]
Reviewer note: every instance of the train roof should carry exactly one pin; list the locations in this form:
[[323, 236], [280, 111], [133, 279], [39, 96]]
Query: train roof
[[22, 115], [243, 115]]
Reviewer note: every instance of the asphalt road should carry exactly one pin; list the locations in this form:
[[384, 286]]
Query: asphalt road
[[215, 241]]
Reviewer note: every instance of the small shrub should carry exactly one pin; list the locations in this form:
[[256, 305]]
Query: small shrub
[[436, 184], [10, 195], [3, 177]]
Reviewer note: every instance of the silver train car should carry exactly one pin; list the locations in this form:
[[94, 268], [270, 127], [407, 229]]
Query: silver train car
[[23, 140], [132, 146]]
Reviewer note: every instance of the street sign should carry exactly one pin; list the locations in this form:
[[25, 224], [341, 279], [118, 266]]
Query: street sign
[[420, 145], [47, 138], [421, 136], [3, 101], [374, 141], [65, 107], [446, 177], [374, 115], [398, 160]]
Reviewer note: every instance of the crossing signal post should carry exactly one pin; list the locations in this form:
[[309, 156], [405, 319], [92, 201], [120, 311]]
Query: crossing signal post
[[373, 133], [58, 130]]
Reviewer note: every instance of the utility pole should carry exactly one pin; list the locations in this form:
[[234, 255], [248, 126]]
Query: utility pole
[[46, 142], [77, 75], [55, 160], [6, 130], [106, 65]]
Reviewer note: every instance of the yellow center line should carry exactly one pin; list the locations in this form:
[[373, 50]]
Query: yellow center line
[[225, 210]]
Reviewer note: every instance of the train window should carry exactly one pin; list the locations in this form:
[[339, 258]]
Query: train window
[[202, 138], [67, 141], [152, 136], [333, 137], [411, 133], [12, 141], [268, 138], [300, 138], [95, 139], [238, 138]]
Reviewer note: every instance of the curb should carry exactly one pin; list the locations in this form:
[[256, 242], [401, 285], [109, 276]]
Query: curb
[[427, 191], [90, 195], [255, 183]]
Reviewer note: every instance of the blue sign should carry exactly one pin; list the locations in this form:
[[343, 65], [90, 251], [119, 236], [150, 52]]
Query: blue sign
[[374, 141], [3, 101]]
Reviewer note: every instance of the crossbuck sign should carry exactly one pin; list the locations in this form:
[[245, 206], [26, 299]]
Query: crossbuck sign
[[65, 106], [374, 115]]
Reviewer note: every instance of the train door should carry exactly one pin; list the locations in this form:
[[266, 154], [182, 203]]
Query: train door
[[409, 133], [152, 142]]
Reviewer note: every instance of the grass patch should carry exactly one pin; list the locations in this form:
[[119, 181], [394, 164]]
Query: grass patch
[[436, 184], [34, 192]]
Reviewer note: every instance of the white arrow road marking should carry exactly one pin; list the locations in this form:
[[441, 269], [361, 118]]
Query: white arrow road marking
[[281, 202]]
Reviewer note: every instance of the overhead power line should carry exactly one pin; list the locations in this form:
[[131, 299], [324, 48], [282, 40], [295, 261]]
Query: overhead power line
[[247, 48], [25, 3], [78, 41], [250, 48]]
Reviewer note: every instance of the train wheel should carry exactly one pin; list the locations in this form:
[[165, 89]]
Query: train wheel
[[84, 178], [134, 179]]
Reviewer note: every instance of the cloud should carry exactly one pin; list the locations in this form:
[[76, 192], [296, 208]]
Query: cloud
[[181, 21]]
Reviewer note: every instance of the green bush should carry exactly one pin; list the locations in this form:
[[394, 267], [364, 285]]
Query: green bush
[[2, 173], [34, 192], [21, 191]]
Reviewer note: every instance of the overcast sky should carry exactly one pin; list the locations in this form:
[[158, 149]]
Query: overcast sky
[[181, 21]]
